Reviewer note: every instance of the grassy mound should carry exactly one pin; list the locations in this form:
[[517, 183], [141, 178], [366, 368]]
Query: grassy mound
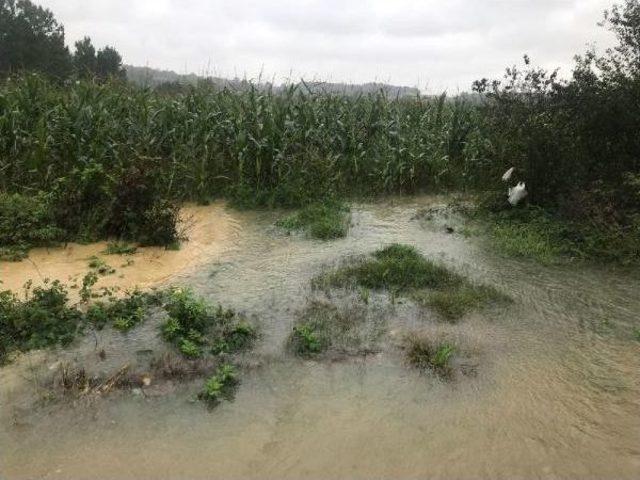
[[401, 269], [325, 221]]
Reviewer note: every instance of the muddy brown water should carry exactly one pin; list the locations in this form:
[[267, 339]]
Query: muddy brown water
[[556, 392]]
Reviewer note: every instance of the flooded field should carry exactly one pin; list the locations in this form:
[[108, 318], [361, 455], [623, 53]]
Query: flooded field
[[552, 389]]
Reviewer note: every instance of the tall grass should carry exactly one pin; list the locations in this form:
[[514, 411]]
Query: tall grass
[[257, 147]]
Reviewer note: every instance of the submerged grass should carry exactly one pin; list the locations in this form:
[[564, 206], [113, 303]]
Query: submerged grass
[[453, 304], [427, 354], [120, 248], [401, 269], [324, 221], [323, 326]]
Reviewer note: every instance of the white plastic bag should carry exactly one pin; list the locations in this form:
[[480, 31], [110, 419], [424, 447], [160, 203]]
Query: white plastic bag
[[507, 175], [517, 193]]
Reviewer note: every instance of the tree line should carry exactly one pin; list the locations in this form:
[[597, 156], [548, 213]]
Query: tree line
[[31, 39]]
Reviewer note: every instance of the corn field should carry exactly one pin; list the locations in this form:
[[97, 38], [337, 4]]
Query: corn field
[[255, 146]]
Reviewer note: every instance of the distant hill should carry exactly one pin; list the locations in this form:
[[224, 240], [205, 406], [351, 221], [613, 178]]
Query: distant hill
[[151, 77]]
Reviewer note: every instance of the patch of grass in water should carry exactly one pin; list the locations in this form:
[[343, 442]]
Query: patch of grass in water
[[427, 354], [120, 248], [527, 240], [453, 304], [325, 221], [194, 326], [397, 268], [100, 266], [123, 313], [401, 269], [219, 386], [323, 326]]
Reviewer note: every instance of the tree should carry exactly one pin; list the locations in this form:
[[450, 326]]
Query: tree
[[84, 58], [109, 64], [31, 39]]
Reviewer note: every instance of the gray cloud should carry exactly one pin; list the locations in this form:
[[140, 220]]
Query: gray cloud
[[428, 43]]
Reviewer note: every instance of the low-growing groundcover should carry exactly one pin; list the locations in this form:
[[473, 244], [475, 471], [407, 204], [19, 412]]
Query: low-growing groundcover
[[428, 354], [221, 385], [196, 328], [324, 326], [531, 232], [402, 270], [42, 319], [325, 221]]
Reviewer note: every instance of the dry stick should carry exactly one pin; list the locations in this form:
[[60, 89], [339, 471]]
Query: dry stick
[[109, 383]]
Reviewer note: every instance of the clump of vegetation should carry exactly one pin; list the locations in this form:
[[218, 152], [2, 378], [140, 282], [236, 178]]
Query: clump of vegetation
[[397, 268], [219, 386], [100, 266], [308, 339], [531, 232], [325, 221], [41, 320], [120, 248], [122, 313], [194, 327], [401, 269], [26, 221], [426, 354], [322, 326], [452, 304]]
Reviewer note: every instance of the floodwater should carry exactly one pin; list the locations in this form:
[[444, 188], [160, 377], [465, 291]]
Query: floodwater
[[555, 394], [211, 231]]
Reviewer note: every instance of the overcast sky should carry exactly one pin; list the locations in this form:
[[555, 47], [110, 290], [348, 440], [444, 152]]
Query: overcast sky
[[432, 44]]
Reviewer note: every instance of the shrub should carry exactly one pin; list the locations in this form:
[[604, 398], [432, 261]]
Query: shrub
[[193, 326], [41, 320], [219, 386], [26, 222]]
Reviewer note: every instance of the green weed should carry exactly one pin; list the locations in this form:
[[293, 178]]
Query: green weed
[[219, 386], [100, 266], [194, 326], [325, 221], [398, 268], [424, 354], [41, 320], [452, 304]]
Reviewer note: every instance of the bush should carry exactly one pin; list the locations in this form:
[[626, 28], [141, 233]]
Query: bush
[[219, 386], [194, 326], [41, 320], [26, 222]]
